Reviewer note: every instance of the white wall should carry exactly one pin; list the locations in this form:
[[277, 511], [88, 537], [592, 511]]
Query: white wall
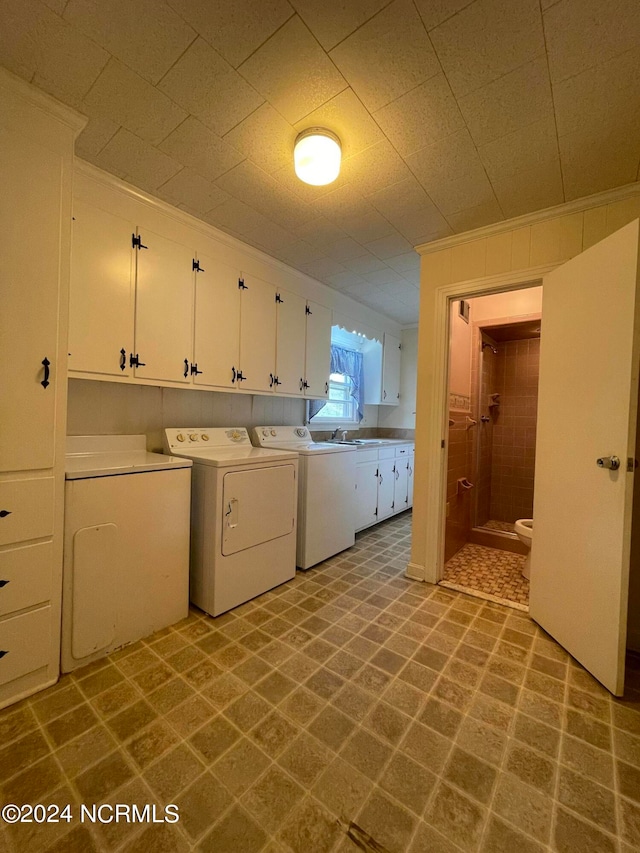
[[498, 306], [403, 416], [459, 353]]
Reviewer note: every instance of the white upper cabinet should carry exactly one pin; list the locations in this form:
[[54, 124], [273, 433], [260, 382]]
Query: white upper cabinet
[[290, 344], [257, 334], [101, 298], [216, 350], [318, 351], [164, 309], [390, 371], [31, 179]]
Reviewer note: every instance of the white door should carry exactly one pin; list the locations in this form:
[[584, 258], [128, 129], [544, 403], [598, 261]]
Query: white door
[[587, 410], [30, 182], [318, 352], [366, 494], [101, 293], [257, 335], [217, 324], [290, 344], [386, 483], [164, 309], [391, 371]]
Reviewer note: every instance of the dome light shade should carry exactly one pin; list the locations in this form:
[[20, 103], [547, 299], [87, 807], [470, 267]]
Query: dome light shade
[[316, 156]]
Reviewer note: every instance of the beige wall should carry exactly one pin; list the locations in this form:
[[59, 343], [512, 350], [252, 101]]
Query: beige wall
[[402, 416], [519, 248]]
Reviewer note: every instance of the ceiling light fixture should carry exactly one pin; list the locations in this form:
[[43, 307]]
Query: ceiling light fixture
[[316, 156]]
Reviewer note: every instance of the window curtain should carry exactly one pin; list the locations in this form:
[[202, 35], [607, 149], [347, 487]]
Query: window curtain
[[349, 363]]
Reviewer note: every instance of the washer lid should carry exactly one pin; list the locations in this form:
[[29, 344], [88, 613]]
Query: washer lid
[[110, 455], [295, 438], [226, 457], [312, 448]]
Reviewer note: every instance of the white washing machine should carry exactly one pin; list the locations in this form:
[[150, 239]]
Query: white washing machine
[[126, 544], [243, 515], [326, 494]]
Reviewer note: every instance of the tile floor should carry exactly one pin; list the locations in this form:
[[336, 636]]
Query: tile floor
[[502, 526], [491, 572], [348, 710]]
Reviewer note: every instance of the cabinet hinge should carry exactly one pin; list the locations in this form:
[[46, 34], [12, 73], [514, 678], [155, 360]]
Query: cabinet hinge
[[307, 310], [442, 444], [377, 472], [279, 298], [393, 505], [376, 512], [399, 346], [196, 266], [632, 464], [242, 285], [136, 242]]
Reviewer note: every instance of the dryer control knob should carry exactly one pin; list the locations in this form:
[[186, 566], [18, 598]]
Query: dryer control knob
[[265, 432], [205, 437], [180, 436], [273, 433], [193, 436]]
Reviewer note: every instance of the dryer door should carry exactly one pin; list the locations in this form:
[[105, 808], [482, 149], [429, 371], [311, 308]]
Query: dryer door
[[258, 505]]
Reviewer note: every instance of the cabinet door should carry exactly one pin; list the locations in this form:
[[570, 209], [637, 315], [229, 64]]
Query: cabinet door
[[164, 309], [257, 334], [401, 484], [410, 462], [216, 347], [31, 181], [290, 344], [391, 371], [318, 351], [386, 485], [102, 292], [366, 494]]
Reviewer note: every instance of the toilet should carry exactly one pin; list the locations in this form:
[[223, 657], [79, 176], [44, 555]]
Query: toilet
[[524, 529]]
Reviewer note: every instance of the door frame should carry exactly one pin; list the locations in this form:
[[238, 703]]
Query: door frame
[[437, 409]]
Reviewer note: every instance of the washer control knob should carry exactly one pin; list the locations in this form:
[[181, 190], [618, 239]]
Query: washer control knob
[[180, 436], [193, 436], [273, 433], [265, 432], [204, 436]]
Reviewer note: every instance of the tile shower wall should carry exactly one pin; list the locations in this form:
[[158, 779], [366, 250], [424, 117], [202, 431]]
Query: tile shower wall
[[514, 430], [107, 408]]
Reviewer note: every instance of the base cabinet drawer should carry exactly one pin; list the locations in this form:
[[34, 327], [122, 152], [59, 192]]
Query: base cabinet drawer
[[25, 643], [26, 509], [25, 576]]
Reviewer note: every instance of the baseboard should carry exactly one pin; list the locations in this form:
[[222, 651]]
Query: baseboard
[[414, 572]]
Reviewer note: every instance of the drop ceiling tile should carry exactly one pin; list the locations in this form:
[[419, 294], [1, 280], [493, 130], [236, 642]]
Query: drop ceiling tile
[[604, 95], [134, 159], [191, 189], [448, 159], [383, 277], [522, 150], [364, 264], [376, 167], [461, 193], [56, 6], [194, 145], [322, 268], [146, 35], [475, 217], [318, 231], [343, 280], [400, 290], [300, 252], [333, 20], [423, 115], [413, 277], [597, 161], [94, 137], [67, 63], [236, 216], [533, 189], [287, 177], [348, 119], [387, 247], [150, 114], [344, 249], [434, 12], [387, 56], [235, 29], [422, 226], [487, 39], [19, 20], [400, 200], [409, 262], [265, 138], [293, 72], [270, 236], [367, 226], [512, 101], [339, 204], [359, 290], [584, 33], [205, 85]]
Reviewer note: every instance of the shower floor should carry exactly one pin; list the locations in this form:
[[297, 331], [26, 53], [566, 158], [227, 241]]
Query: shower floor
[[488, 573], [502, 526]]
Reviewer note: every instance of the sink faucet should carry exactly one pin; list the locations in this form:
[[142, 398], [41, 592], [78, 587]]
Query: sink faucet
[[334, 434], [344, 434]]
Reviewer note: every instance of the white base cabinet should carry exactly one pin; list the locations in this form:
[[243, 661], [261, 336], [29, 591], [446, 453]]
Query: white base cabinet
[[384, 483]]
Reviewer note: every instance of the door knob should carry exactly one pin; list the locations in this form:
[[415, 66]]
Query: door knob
[[610, 462]]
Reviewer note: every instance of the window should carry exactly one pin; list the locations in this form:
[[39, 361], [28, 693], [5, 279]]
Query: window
[[341, 408]]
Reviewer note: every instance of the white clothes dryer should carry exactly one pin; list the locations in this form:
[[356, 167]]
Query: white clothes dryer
[[326, 494], [243, 515]]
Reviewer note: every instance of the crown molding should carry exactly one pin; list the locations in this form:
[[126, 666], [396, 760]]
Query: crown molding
[[41, 100], [576, 206]]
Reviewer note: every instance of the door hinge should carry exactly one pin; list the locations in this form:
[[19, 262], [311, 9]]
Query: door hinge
[[393, 505], [242, 285], [442, 444], [632, 464], [307, 310], [279, 299], [136, 242], [377, 473], [196, 266]]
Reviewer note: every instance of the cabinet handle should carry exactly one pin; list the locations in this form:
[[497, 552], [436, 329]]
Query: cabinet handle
[[186, 368], [271, 380], [3, 583], [233, 375], [123, 359], [384, 395], [397, 474], [137, 243], [301, 384], [45, 363], [326, 387], [194, 367], [134, 361], [380, 479], [3, 652], [4, 513]]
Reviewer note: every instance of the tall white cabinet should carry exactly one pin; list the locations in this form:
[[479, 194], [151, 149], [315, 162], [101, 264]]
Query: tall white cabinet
[[36, 159]]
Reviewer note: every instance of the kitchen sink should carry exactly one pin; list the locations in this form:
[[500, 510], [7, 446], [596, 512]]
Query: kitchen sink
[[356, 441]]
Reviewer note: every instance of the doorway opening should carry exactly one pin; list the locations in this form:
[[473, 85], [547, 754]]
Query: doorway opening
[[493, 386]]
